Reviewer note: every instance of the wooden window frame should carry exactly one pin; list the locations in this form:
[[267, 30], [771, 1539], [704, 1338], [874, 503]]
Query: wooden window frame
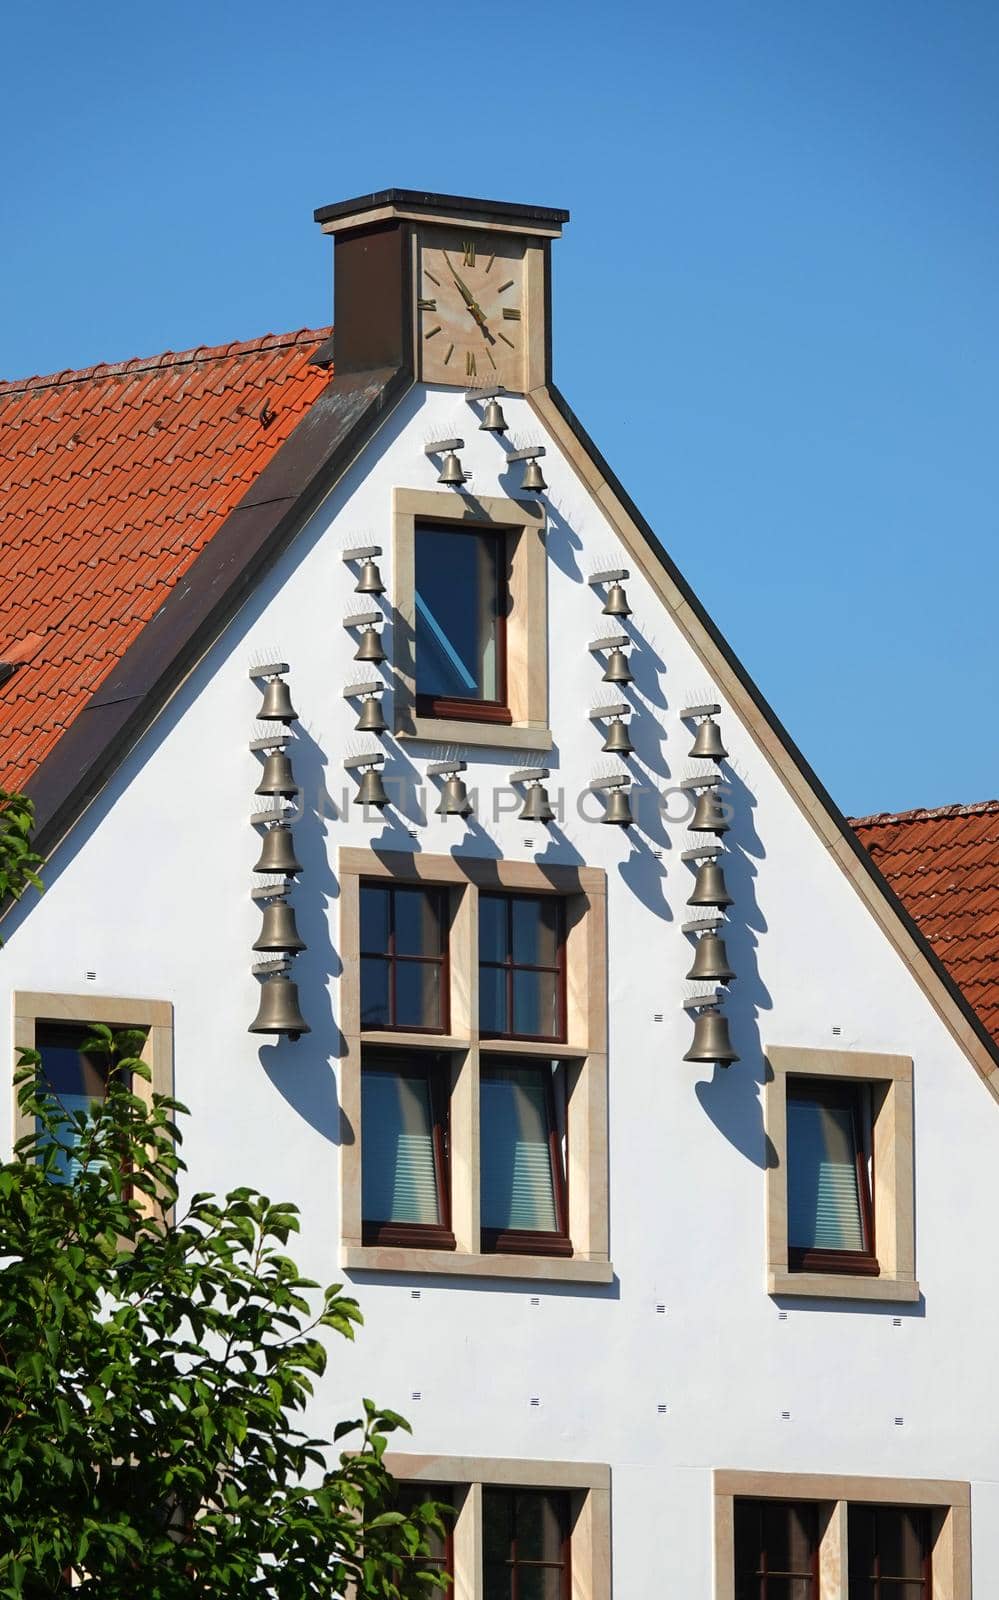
[[889, 1588], [418, 1235], [582, 1055], [849, 1096], [511, 967], [765, 1575], [522, 525], [466, 708], [515, 1563], [392, 958], [538, 1242], [586, 1484], [890, 1080], [444, 1494], [947, 1502]]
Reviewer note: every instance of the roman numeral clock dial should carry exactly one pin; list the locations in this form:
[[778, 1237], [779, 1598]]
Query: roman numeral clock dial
[[470, 309]]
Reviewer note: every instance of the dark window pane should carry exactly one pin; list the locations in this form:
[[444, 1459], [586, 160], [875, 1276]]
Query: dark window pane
[[539, 1583], [492, 1000], [498, 1583], [861, 1541], [493, 922], [894, 1537], [823, 1198], [412, 1495], [74, 1080], [777, 1538], [789, 1536], [535, 931], [417, 994], [374, 920], [790, 1589], [417, 923], [535, 1004], [374, 993], [497, 1524], [398, 1157], [517, 1185], [539, 1527], [458, 585]]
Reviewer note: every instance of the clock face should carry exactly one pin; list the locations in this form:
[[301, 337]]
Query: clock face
[[470, 308]]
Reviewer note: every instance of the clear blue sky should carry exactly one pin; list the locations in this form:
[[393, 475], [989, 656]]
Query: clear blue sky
[[776, 306]]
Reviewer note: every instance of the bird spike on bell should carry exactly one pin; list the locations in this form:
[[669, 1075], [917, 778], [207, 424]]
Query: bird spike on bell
[[708, 741], [616, 604], [711, 960], [711, 1041], [277, 853], [533, 479], [537, 806], [618, 809], [278, 933], [277, 777], [709, 814], [618, 740], [710, 888], [451, 470], [493, 420], [617, 669], [372, 718], [277, 706], [372, 791], [370, 580], [370, 647], [454, 801], [278, 1011]]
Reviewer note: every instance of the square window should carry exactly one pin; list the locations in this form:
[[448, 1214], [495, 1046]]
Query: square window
[[403, 950], [830, 1224], [522, 1183], [525, 1544], [522, 966], [460, 634], [889, 1549], [776, 1550], [404, 1178]]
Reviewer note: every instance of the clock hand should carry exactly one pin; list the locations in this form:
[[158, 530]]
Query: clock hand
[[467, 296]]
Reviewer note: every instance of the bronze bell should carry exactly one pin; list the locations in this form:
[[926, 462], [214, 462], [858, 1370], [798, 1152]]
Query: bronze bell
[[708, 742], [370, 647], [454, 800], [709, 817], [711, 960], [537, 806], [534, 478], [493, 420], [710, 888], [370, 580], [616, 604], [372, 791], [278, 1011], [277, 706], [618, 741], [372, 719], [711, 1041], [451, 470], [278, 931], [278, 777], [617, 669], [618, 809], [277, 853]]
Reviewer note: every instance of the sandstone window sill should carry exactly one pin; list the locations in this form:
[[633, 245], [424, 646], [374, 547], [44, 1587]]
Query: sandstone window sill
[[553, 1269]]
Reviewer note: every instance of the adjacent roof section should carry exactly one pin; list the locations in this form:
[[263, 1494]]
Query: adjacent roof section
[[944, 866], [113, 480]]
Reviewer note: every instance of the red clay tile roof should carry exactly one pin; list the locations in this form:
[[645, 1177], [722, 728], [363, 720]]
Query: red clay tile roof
[[944, 867], [112, 480]]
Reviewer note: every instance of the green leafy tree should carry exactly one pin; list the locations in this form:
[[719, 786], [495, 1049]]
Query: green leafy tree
[[154, 1363], [17, 859]]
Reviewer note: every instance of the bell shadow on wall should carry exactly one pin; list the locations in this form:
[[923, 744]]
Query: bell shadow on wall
[[301, 1070], [733, 1097], [561, 539]]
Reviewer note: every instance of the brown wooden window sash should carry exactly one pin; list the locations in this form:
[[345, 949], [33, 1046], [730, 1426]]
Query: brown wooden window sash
[[418, 1235], [510, 968], [393, 960], [456, 707], [518, 1565], [854, 1097], [756, 1565], [532, 1241]]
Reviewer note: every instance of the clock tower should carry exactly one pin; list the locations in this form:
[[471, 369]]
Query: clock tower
[[457, 290]]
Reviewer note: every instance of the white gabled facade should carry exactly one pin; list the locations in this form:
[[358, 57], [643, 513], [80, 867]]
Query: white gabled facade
[[150, 894]]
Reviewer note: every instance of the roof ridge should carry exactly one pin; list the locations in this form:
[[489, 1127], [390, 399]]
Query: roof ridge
[[168, 358], [971, 808]]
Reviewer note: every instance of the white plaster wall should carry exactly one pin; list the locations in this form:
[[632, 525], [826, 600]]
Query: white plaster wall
[[151, 893]]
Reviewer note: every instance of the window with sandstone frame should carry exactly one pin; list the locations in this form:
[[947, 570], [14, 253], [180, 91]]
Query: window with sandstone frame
[[544, 1159]]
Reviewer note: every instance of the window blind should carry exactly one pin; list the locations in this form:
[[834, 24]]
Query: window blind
[[65, 1132], [398, 1164], [823, 1199], [517, 1187]]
